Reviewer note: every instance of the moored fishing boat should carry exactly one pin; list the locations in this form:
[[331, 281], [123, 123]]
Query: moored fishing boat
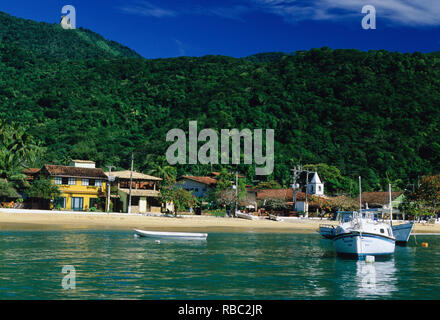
[[361, 234], [170, 235], [402, 232]]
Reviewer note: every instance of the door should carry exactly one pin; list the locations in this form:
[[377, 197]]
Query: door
[[142, 205], [77, 204]]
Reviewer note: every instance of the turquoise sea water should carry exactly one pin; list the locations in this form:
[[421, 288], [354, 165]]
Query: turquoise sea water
[[116, 265]]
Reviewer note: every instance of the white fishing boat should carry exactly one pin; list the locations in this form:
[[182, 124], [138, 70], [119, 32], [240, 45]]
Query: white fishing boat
[[401, 232], [170, 235], [361, 234]]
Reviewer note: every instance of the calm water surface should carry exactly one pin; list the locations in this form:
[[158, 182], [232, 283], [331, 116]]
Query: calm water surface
[[116, 265]]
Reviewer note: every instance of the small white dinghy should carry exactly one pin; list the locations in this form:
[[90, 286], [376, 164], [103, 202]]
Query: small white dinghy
[[247, 216], [273, 217], [171, 235]]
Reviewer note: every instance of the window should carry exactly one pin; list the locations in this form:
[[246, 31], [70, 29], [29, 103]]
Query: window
[[72, 181], [65, 181], [124, 184], [92, 182], [382, 231], [319, 188], [98, 183], [135, 201], [58, 180], [85, 182]]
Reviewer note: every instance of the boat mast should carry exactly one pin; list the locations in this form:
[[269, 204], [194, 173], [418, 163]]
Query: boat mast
[[360, 196], [391, 206], [131, 183], [360, 216]]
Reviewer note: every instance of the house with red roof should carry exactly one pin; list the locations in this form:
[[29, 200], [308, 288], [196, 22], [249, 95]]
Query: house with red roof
[[199, 185], [315, 190], [381, 200]]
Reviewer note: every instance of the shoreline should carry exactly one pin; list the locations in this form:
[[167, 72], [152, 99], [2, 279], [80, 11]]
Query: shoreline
[[36, 220]]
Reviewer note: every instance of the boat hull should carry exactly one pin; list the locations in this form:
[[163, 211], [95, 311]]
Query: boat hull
[[246, 216], [355, 244], [402, 232], [171, 235], [327, 231]]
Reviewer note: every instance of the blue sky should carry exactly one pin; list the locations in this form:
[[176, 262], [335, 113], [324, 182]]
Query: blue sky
[[169, 28]]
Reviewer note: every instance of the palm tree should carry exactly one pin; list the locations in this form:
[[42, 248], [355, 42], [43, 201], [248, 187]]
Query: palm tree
[[6, 190], [160, 168], [18, 150]]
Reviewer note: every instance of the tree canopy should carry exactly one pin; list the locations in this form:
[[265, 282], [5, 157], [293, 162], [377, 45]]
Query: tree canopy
[[372, 114], [425, 200]]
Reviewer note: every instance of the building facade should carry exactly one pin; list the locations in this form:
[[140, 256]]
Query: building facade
[[145, 192], [82, 185], [381, 201], [200, 186]]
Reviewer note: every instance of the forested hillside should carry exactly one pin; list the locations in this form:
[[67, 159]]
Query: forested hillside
[[52, 42], [374, 114]]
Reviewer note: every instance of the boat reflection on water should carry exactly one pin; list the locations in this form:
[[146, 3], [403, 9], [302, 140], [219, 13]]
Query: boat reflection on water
[[376, 279]]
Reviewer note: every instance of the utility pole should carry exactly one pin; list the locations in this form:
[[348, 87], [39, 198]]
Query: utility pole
[[131, 182], [360, 195], [295, 175], [236, 192], [108, 187], [307, 191]]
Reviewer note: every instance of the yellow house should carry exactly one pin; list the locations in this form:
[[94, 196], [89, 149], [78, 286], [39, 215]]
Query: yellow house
[[82, 185]]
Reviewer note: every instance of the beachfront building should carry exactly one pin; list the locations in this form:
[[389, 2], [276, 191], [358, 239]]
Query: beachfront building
[[199, 185], [285, 195], [381, 201], [314, 203], [82, 185], [145, 192]]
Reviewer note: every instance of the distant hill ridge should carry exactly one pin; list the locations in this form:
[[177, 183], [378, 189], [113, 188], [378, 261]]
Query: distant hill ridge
[[52, 42]]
